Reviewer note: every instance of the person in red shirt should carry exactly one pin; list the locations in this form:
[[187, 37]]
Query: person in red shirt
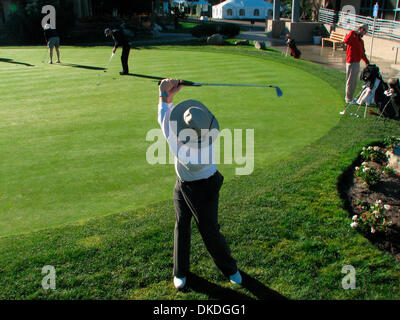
[[355, 53]]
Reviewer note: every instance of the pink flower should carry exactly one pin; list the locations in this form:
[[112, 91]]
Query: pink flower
[[355, 217], [354, 224], [373, 230], [386, 206]]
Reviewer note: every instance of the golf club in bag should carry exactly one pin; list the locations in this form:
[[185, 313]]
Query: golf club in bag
[[105, 69], [278, 91]]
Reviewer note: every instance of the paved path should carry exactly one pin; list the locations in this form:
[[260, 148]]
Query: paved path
[[326, 56]]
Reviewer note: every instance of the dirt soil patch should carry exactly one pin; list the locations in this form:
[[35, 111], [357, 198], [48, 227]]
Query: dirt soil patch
[[354, 192]]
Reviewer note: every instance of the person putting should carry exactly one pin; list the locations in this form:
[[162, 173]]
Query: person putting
[[120, 41], [354, 54], [53, 41], [190, 130]]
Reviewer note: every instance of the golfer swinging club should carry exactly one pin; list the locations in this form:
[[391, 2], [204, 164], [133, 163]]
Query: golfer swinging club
[[196, 192], [120, 40]]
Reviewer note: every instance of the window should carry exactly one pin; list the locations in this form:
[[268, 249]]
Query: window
[[241, 12], [229, 13], [256, 12]]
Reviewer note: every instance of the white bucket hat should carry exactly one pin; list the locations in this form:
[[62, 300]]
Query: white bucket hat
[[195, 116]]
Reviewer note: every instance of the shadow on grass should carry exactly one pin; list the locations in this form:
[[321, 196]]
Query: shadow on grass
[[82, 66], [258, 289], [149, 77], [145, 76], [214, 291], [16, 62]]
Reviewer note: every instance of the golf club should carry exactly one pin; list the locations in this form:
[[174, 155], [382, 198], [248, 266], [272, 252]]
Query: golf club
[[349, 104], [45, 57], [279, 92], [105, 69]]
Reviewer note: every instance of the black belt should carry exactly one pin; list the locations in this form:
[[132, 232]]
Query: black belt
[[200, 180]]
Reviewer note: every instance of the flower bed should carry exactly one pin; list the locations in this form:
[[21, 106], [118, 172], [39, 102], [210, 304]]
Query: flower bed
[[373, 193]]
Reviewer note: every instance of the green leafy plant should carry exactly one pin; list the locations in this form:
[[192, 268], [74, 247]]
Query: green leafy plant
[[24, 24], [370, 175], [318, 30], [389, 171], [373, 219], [391, 141], [375, 154]]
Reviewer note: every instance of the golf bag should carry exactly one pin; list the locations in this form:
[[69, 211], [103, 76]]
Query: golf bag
[[374, 89], [294, 51]]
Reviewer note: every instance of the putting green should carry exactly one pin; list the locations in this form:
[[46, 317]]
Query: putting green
[[71, 150]]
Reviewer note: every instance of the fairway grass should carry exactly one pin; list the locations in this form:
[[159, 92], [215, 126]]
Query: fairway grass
[[285, 223], [71, 150]]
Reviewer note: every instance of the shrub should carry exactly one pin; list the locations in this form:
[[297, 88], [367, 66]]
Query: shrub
[[372, 219], [24, 25], [370, 175], [375, 154], [391, 142], [228, 30], [177, 15]]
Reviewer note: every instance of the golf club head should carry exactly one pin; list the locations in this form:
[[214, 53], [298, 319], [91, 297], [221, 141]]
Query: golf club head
[[279, 92]]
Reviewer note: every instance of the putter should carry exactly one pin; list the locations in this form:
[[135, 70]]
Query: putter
[[109, 61], [46, 56], [278, 90], [105, 69]]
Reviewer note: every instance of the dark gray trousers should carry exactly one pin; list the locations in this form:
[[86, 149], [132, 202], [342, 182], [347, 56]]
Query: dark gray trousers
[[200, 200], [124, 58]]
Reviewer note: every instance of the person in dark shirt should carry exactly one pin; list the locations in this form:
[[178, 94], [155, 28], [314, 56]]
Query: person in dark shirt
[[120, 40], [53, 41]]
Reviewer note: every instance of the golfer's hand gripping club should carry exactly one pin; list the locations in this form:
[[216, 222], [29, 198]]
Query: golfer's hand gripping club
[[168, 88]]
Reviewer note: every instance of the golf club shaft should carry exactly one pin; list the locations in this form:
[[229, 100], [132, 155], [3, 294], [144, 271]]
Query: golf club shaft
[[195, 84], [105, 70], [190, 83], [109, 61], [228, 85]]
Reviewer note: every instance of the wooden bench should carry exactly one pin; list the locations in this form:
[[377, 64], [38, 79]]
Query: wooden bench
[[337, 39]]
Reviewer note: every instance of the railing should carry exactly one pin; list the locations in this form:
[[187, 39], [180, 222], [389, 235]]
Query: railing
[[386, 29]]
